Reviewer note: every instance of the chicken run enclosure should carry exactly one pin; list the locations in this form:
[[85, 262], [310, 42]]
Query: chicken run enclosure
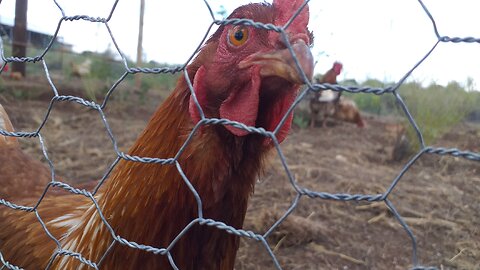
[[295, 224]]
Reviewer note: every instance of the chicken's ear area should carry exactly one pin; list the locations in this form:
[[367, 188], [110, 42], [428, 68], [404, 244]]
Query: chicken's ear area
[[199, 89]]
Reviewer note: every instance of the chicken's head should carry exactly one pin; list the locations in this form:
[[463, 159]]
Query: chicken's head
[[248, 74], [337, 68]]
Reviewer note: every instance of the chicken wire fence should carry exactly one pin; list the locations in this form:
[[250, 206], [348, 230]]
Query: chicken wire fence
[[300, 191]]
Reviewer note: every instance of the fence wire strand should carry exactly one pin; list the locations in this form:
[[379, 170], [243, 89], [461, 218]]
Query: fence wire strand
[[301, 191]]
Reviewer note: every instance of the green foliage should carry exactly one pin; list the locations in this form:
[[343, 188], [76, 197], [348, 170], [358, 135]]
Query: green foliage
[[436, 109], [105, 70], [2, 86], [156, 82], [374, 104], [301, 119], [92, 88]]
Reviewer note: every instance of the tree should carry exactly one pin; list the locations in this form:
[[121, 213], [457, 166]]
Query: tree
[[138, 79], [470, 85], [19, 45]]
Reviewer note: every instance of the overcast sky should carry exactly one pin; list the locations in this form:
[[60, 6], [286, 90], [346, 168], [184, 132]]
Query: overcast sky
[[379, 39]]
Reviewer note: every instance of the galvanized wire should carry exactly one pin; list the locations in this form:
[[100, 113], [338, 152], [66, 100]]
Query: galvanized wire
[[301, 191]]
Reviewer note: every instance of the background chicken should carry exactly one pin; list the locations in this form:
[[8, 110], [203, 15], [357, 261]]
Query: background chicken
[[242, 74], [329, 103], [324, 102], [346, 110], [15, 75], [81, 70]]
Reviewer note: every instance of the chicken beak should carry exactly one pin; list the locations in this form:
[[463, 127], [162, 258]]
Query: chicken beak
[[281, 63]]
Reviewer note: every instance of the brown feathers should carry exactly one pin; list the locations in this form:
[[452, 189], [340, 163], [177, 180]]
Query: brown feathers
[[17, 169], [6, 125]]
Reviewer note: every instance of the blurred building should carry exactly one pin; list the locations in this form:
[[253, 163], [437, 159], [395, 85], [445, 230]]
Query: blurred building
[[35, 38]]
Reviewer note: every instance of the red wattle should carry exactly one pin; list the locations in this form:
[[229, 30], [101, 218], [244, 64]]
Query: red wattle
[[242, 104]]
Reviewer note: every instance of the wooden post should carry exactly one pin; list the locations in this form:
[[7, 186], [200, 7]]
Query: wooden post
[[19, 44], [138, 76]]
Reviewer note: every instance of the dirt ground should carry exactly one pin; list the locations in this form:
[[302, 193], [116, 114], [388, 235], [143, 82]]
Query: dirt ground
[[438, 197]]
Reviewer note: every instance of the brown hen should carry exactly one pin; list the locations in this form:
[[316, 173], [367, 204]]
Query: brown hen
[[243, 74]]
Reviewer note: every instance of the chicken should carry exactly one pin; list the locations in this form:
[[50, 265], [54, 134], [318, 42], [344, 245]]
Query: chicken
[[15, 75], [6, 125], [81, 70], [243, 74], [324, 102], [16, 181], [330, 103], [346, 110]]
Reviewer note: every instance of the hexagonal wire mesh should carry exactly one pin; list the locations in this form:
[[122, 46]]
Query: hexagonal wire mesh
[[301, 191]]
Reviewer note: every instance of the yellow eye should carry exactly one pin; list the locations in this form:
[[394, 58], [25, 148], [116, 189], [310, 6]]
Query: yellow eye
[[238, 36]]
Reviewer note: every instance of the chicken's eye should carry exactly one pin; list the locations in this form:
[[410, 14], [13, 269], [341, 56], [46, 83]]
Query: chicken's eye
[[238, 36]]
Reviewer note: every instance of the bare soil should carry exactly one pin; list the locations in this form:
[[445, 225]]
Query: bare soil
[[438, 197]]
